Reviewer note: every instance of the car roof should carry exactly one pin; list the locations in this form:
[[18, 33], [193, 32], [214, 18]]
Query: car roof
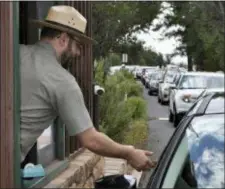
[[204, 73], [157, 176], [214, 90], [212, 103]]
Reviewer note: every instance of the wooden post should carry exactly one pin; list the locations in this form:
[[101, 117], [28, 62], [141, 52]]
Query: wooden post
[[6, 96]]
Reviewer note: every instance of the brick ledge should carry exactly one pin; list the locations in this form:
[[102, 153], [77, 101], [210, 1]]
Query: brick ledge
[[82, 166]]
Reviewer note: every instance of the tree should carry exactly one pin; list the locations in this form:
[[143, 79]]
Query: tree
[[168, 59], [201, 33], [132, 47], [137, 54], [114, 22]]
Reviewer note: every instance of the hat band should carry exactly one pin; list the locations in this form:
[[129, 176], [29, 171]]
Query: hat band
[[62, 25]]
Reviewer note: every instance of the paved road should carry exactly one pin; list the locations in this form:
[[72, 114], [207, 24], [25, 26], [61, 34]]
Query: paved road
[[160, 130]]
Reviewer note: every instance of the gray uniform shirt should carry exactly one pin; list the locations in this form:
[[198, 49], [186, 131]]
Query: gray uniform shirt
[[48, 91]]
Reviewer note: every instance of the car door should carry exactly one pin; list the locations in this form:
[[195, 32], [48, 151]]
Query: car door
[[173, 92], [194, 157], [161, 85], [157, 175]]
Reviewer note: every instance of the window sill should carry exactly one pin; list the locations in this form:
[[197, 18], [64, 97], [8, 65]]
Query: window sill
[[51, 171]]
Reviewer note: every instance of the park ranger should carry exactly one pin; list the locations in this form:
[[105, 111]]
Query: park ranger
[[48, 90]]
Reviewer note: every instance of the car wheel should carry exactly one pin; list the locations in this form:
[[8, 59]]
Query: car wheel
[[170, 117], [175, 120], [149, 92], [159, 100], [162, 102]]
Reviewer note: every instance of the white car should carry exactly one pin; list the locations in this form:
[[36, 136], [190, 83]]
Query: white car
[[189, 88], [146, 73], [153, 83], [135, 71], [114, 69], [131, 68], [210, 91], [164, 86], [138, 72]]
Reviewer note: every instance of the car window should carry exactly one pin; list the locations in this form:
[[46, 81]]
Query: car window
[[215, 82], [216, 105], [160, 76], [169, 76], [178, 80], [199, 159], [154, 76], [150, 70], [201, 81]]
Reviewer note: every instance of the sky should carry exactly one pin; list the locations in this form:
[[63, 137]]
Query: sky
[[166, 46]]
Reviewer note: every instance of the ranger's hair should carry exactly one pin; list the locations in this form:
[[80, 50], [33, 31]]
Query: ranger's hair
[[49, 32]]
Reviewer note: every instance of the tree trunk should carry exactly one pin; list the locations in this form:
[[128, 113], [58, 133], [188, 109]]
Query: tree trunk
[[190, 62], [200, 62]]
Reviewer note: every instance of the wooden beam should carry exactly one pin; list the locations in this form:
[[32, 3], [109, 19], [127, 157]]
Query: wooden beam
[[6, 95]]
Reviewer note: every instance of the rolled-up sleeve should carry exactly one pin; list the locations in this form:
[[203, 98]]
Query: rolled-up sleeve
[[71, 107]]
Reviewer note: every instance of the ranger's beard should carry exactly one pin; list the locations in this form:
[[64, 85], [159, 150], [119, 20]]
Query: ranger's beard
[[67, 56]]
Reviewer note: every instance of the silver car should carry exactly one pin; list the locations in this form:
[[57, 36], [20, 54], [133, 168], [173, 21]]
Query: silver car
[[164, 86], [146, 73], [153, 83], [188, 89], [210, 91]]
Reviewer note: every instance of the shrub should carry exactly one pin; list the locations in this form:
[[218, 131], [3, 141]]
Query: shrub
[[99, 72], [137, 107], [120, 116], [137, 133]]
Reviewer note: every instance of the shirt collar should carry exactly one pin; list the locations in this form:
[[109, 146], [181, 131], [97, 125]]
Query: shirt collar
[[48, 47]]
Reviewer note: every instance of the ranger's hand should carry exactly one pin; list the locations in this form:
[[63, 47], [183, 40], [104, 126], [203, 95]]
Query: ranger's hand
[[139, 159]]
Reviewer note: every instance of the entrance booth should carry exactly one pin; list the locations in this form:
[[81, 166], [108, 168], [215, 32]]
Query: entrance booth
[[54, 146]]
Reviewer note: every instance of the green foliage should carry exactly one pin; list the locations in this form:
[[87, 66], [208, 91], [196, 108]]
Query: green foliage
[[151, 58], [132, 47], [137, 107], [112, 21], [137, 133], [99, 72], [201, 35], [121, 105], [114, 59], [137, 54]]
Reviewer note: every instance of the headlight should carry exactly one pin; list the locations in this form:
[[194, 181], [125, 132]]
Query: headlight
[[187, 98]]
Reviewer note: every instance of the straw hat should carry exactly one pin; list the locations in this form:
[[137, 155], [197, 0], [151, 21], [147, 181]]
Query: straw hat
[[66, 19]]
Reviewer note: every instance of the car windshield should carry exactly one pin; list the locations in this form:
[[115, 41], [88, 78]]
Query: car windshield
[[169, 76], [154, 76], [150, 70], [160, 76], [203, 159], [201, 82]]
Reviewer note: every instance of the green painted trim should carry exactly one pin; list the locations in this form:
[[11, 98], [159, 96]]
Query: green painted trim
[[52, 172], [16, 95]]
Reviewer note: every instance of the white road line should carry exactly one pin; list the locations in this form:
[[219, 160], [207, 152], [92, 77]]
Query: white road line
[[158, 118], [163, 119]]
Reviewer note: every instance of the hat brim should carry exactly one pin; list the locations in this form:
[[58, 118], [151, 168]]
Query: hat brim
[[82, 38]]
